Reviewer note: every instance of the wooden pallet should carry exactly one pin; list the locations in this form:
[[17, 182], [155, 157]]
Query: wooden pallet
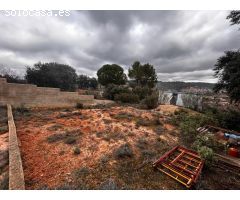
[[181, 164]]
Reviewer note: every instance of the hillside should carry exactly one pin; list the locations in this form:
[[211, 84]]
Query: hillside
[[178, 85]]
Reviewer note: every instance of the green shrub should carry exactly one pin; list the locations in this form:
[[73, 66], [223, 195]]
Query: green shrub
[[79, 105], [70, 140], [76, 150], [188, 123], [54, 127], [151, 101], [127, 98], [148, 153], [123, 115], [109, 184], [207, 154], [82, 172], [208, 140], [228, 119], [4, 182], [148, 122], [142, 92], [22, 109], [67, 136], [55, 138], [112, 90], [142, 143], [123, 151], [3, 129]]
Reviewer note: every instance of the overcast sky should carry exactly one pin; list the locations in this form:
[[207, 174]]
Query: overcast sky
[[182, 45]]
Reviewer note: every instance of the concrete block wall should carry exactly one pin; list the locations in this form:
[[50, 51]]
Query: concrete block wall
[[32, 96]]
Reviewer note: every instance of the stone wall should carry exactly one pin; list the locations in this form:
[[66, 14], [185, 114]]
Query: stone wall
[[33, 96]]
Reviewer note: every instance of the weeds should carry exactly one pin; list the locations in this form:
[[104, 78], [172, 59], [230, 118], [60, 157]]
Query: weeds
[[79, 105], [55, 127], [76, 151], [124, 151], [70, 140], [148, 153], [69, 114], [107, 121], [207, 154], [159, 130], [104, 159], [3, 120], [83, 171], [123, 115], [141, 143], [69, 137], [22, 109], [4, 182], [3, 129], [188, 123], [148, 122], [55, 137], [110, 135], [108, 185]]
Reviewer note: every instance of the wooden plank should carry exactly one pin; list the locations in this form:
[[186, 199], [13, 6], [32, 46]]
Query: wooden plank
[[229, 160]]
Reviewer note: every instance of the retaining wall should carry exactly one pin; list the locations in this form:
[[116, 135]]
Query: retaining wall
[[16, 176], [33, 96]]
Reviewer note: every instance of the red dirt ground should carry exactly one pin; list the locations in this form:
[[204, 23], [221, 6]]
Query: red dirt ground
[[99, 133], [51, 164]]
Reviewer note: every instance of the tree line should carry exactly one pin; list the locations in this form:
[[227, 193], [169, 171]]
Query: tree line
[[117, 86], [52, 75]]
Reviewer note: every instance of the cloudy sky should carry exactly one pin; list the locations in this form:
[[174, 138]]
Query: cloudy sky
[[182, 45]]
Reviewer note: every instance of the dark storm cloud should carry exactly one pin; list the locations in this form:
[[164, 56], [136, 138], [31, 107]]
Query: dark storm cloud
[[182, 45]]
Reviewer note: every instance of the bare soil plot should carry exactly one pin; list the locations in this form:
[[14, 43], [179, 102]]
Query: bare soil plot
[[110, 148]]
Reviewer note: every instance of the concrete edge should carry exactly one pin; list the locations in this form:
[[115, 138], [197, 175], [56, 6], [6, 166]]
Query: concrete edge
[[16, 176]]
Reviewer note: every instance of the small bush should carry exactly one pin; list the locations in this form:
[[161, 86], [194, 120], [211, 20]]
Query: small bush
[[55, 138], [22, 109], [107, 121], [188, 124], [228, 119], [64, 136], [3, 119], [208, 140], [123, 115], [207, 154], [76, 150], [4, 182], [3, 129], [107, 136], [127, 98], [142, 92], [104, 159], [112, 90], [151, 101], [148, 153], [108, 185], [148, 122], [70, 140], [55, 127], [123, 151], [83, 171], [141, 143], [159, 130], [79, 105]]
